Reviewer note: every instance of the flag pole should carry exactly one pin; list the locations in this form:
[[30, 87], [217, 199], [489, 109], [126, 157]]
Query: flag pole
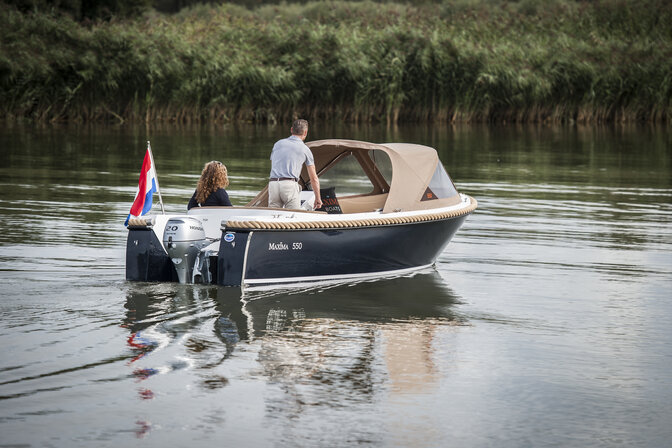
[[158, 190]]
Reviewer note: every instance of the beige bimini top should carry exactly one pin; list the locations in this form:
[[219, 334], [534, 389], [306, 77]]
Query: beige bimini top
[[418, 180]]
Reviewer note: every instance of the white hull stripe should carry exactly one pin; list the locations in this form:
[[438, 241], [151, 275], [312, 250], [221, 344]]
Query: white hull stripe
[[318, 278], [247, 249]]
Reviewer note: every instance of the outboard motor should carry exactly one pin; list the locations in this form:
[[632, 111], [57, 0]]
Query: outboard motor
[[184, 238]]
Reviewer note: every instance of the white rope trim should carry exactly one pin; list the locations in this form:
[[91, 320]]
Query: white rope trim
[[350, 223]]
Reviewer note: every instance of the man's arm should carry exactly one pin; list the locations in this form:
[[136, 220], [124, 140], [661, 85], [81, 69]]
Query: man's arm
[[315, 183]]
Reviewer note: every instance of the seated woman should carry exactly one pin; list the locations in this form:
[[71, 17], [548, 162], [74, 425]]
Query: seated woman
[[210, 190]]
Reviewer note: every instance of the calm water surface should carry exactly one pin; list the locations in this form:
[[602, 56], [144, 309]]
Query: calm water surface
[[546, 322]]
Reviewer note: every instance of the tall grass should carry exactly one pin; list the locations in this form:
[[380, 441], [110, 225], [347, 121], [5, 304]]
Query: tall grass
[[469, 60]]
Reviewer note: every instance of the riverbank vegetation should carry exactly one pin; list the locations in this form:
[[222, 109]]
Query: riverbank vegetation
[[460, 60]]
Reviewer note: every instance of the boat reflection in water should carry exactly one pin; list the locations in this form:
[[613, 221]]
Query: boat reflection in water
[[175, 327], [409, 298], [337, 346], [351, 341]]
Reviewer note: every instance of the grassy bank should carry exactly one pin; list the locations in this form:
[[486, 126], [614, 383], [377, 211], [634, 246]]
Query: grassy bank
[[525, 61]]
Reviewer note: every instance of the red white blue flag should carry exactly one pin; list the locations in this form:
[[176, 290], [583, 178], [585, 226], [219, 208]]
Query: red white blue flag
[[147, 186]]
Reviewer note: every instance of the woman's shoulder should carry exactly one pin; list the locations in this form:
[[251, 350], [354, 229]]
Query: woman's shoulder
[[222, 197]]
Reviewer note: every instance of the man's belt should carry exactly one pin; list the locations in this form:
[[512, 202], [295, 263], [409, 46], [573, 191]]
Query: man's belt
[[276, 179]]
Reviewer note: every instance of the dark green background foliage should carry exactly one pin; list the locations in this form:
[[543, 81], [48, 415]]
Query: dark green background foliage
[[461, 60], [84, 9]]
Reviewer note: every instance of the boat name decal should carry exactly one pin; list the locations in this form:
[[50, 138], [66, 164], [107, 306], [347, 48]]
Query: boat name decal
[[285, 246]]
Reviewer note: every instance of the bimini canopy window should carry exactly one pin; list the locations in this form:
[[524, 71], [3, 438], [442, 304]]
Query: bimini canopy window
[[355, 173], [383, 164], [441, 186], [347, 177]]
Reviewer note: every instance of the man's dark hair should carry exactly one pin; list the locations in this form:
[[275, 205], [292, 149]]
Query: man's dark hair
[[299, 126]]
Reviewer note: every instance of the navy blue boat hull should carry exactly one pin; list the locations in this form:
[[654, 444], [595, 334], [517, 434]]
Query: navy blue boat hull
[[277, 256], [146, 260]]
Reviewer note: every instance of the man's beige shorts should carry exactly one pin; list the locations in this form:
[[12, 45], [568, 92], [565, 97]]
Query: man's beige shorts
[[284, 193]]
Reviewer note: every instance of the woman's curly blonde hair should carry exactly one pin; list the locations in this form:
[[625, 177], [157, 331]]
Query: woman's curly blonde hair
[[213, 177]]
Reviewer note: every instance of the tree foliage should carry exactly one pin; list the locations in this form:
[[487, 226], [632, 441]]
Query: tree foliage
[[83, 10], [557, 60]]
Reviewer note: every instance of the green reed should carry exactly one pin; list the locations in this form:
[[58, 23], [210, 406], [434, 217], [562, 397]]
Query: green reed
[[525, 61]]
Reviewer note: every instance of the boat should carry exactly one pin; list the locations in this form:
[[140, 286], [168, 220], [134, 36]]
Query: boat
[[389, 209]]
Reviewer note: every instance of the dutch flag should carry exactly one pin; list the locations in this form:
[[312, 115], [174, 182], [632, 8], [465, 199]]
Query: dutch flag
[[147, 186]]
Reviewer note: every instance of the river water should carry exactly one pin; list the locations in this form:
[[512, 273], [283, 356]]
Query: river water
[[545, 322]]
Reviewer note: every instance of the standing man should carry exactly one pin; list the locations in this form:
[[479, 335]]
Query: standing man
[[287, 159]]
